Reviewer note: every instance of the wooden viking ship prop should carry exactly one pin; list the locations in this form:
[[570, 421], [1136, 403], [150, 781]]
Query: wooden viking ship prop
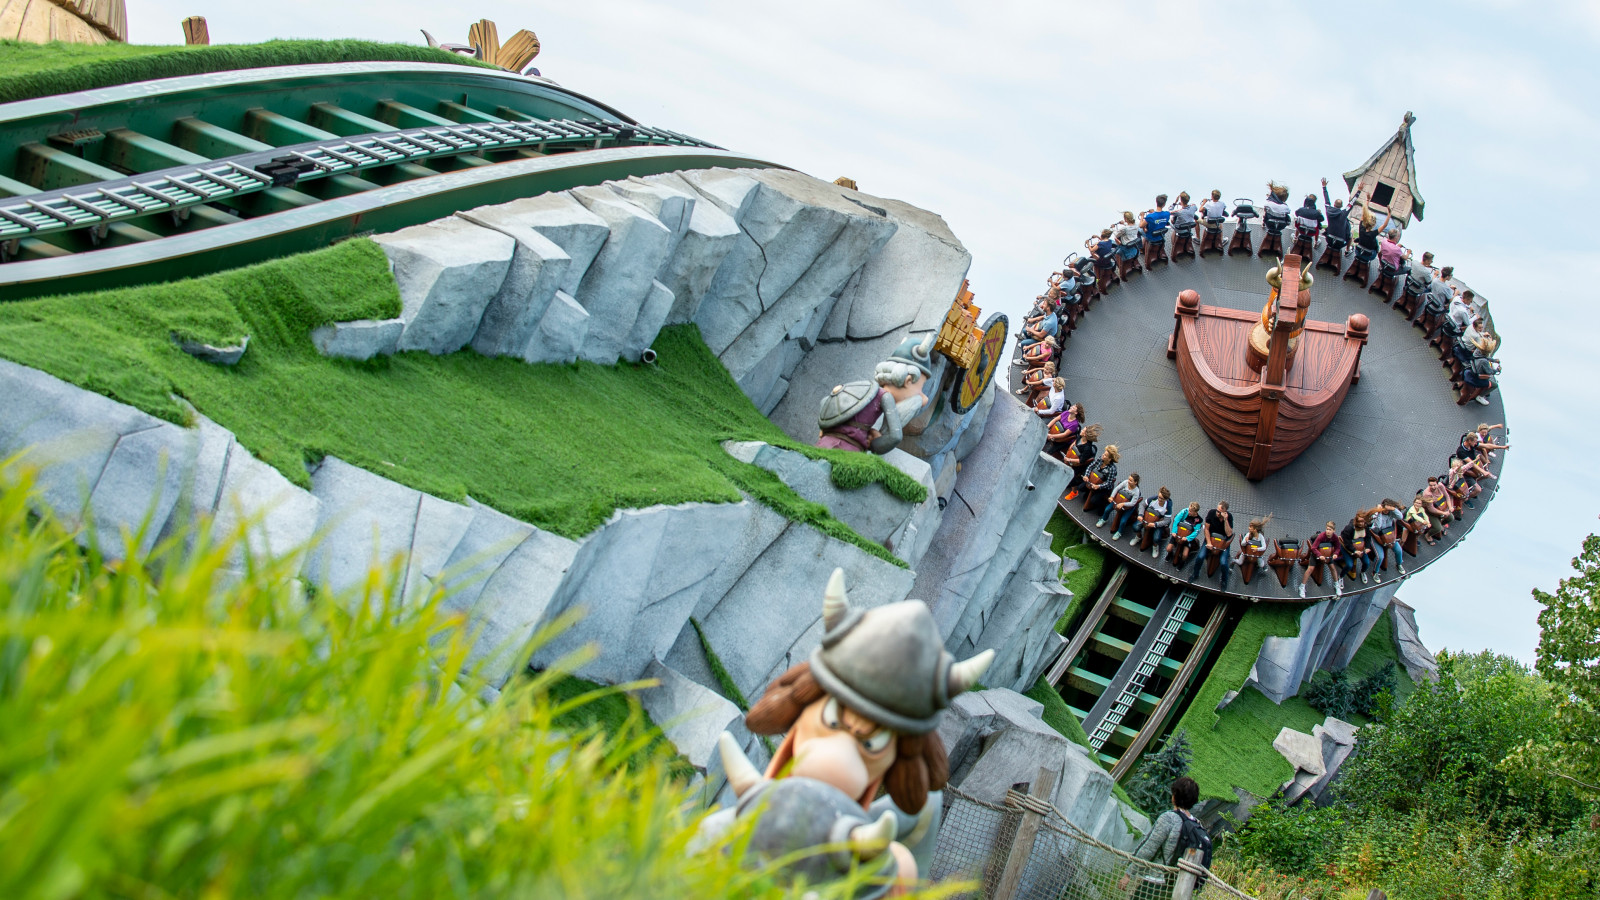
[[1264, 387]]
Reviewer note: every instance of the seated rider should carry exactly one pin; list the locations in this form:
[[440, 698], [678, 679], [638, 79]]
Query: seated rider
[[1062, 432], [1360, 550], [1186, 527], [1415, 521], [1386, 537], [1437, 504], [1184, 214], [1156, 220], [1122, 507], [1252, 547], [1275, 213], [1338, 219], [1327, 547], [1079, 455], [1155, 519], [1308, 219], [1100, 477], [1127, 236], [1055, 398], [1216, 539]]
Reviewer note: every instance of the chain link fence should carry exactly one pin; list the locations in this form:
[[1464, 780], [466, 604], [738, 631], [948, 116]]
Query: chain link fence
[[1025, 849]]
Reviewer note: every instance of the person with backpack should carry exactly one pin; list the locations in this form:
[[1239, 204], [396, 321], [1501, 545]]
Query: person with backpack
[[1173, 834]]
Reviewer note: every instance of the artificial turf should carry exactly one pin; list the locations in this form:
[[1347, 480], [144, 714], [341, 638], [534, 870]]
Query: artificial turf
[[1058, 716], [1084, 581], [29, 70], [559, 446], [1234, 748]]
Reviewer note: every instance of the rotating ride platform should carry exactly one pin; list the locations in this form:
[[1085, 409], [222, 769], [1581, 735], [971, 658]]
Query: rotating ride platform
[[1398, 423], [1377, 417]]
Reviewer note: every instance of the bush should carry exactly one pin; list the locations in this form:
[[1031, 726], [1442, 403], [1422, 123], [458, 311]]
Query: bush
[[216, 730], [1344, 699], [1151, 785]]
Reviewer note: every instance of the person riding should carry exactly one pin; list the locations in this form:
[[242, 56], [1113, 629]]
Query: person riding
[[1100, 477], [1127, 236], [1416, 519], [1386, 523], [1327, 547], [1062, 432], [1460, 483], [1216, 539], [1036, 382], [1186, 527], [1214, 208], [1122, 507], [1184, 213], [1041, 353], [1437, 504], [1338, 219], [1367, 237], [1308, 219], [1252, 547], [1155, 518], [1055, 398], [1078, 455], [1360, 549], [1480, 374], [1156, 222]]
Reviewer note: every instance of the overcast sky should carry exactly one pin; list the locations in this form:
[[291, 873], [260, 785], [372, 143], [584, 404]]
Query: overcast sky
[[1027, 124]]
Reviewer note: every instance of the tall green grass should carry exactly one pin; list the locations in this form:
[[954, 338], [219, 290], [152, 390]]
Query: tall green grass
[[171, 730]]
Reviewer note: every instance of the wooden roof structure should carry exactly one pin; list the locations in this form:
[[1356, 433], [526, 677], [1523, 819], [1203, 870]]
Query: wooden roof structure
[[1388, 179], [69, 21]]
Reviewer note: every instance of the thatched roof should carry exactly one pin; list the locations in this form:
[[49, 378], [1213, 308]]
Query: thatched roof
[[1400, 142]]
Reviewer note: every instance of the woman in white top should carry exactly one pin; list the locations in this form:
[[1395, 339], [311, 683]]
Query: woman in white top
[[1055, 401], [1127, 236]]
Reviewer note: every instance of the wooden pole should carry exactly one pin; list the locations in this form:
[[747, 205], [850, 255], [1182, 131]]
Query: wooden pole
[[195, 32], [1183, 887], [1022, 844]]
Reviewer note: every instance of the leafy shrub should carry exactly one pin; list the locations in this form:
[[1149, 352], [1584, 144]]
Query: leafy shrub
[[1150, 788], [1344, 699]]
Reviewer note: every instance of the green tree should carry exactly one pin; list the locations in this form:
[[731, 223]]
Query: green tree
[[1569, 658], [1150, 788], [1443, 749]]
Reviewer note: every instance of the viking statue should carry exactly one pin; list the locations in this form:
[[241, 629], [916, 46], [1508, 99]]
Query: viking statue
[[860, 714], [851, 414]]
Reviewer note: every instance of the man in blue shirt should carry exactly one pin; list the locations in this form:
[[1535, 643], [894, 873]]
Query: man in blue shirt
[[1047, 327], [1155, 220]]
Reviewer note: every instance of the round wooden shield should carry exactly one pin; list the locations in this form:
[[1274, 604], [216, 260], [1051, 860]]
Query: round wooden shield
[[973, 382]]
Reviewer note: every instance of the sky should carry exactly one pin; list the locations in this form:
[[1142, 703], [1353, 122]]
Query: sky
[[1029, 124]]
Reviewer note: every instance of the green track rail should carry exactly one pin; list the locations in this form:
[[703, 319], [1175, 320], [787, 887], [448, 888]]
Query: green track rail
[[180, 177]]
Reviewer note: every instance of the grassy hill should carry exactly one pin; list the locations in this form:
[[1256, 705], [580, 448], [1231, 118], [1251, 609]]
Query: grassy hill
[[558, 446], [30, 70]]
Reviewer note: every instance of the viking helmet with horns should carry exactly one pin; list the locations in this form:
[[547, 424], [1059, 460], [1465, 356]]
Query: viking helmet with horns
[[888, 663]]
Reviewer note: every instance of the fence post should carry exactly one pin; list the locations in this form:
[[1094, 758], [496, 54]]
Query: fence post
[[1183, 887], [1022, 843]]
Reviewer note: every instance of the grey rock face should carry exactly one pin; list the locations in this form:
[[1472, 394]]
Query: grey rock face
[[68, 433], [996, 739], [503, 575], [220, 356], [361, 339], [278, 517], [565, 222], [140, 486], [365, 520], [729, 190], [538, 269], [652, 315], [1418, 660], [561, 333], [617, 283], [447, 271], [1020, 625], [1303, 751], [637, 579], [912, 280], [769, 619], [699, 252], [691, 715], [1331, 632]]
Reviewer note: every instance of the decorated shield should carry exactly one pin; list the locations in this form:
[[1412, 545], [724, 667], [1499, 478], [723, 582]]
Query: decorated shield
[[969, 388]]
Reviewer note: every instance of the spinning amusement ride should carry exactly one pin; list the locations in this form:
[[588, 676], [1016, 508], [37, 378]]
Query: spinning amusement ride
[[1285, 380]]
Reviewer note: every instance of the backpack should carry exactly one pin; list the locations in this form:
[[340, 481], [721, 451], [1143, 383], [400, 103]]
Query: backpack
[[1192, 834]]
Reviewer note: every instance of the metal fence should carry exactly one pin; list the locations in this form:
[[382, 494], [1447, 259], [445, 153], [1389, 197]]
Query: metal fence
[[1025, 849]]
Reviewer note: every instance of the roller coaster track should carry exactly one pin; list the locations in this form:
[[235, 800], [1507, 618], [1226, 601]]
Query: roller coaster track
[[178, 177]]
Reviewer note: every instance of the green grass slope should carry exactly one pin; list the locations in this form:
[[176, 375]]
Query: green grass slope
[[1084, 581], [1058, 716], [39, 70], [559, 446], [1234, 748]]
